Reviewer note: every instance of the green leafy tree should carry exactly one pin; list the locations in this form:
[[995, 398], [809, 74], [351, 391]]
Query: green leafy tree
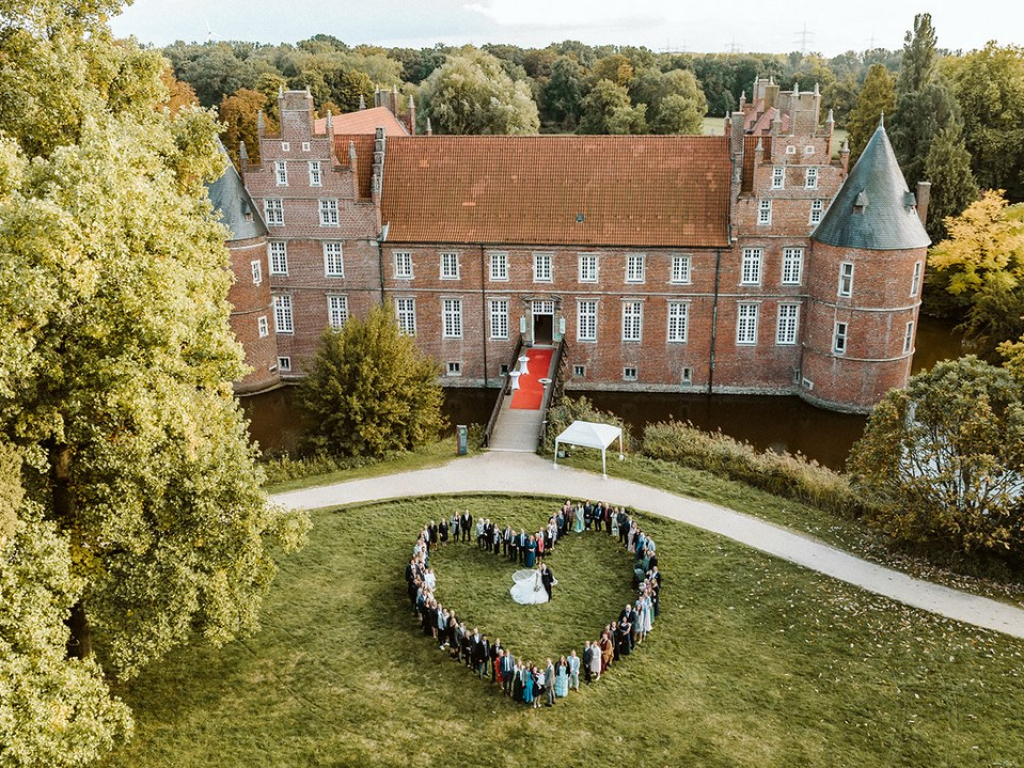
[[472, 94], [948, 168], [681, 106], [841, 98], [370, 390], [564, 92], [876, 98], [607, 110], [616, 68], [942, 460]]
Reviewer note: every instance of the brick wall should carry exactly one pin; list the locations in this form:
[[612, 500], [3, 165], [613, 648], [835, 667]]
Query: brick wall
[[251, 301]]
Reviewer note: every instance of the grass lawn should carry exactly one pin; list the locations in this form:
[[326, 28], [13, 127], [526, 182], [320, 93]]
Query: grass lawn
[[753, 662]]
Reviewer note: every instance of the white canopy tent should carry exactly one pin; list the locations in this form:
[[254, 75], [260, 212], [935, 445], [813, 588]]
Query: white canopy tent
[[591, 435]]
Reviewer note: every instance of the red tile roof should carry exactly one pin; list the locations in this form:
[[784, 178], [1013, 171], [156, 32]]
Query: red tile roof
[[364, 121], [632, 191], [364, 158], [759, 120]]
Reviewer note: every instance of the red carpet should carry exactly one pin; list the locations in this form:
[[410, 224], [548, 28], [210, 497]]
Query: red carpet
[[531, 391]]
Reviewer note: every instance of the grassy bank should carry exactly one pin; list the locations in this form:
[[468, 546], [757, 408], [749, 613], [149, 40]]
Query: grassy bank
[[754, 662]]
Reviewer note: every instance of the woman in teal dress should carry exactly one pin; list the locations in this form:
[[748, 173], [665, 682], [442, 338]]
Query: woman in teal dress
[[562, 678], [527, 685], [531, 552], [578, 525]]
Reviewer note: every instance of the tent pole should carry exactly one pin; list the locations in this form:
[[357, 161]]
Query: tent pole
[[604, 463], [555, 463]]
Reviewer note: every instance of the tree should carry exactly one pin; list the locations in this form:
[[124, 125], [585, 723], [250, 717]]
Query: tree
[[607, 110], [142, 513], [370, 390], [179, 94], [682, 106], [239, 113], [616, 68], [564, 92], [471, 94], [948, 168], [876, 98], [941, 460]]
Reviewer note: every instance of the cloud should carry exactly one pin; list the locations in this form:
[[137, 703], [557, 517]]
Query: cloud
[[545, 14]]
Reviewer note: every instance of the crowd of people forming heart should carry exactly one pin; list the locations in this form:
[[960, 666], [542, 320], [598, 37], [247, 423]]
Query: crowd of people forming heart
[[520, 679]]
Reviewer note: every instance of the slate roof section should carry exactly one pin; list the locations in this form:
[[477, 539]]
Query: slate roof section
[[363, 121], [235, 208], [364, 157], [871, 210], [632, 191]]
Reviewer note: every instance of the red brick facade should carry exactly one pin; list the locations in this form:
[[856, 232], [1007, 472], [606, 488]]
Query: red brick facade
[[747, 303]]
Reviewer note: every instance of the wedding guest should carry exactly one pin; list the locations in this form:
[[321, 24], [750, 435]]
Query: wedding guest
[[588, 659], [596, 661], [574, 670], [562, 677]]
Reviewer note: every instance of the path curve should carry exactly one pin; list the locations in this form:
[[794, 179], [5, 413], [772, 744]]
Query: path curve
[[528, 473]]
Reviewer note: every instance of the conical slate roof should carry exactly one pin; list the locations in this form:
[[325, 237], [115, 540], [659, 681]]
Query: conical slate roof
[[874, 210], [235, 208]]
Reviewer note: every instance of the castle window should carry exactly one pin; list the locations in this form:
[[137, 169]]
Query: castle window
[[315, 176], [687, 375], [499, 318], [811, 178], [792, 266], [273, 211], [579, 371], [337, 311], [632, 320], [791, 150], [305, 146], [453, 369], [817, 208], [263, 325], [451, 317], [915, 281], [629, 373], [278, 257], [678, 321], [283, 314], [586, 321], [764, 212], [635, 268], [257, 272], [908, 338], [405, 311], [281, 173], [778, 177], [450, 266], [587, 268], [499, 266], [403, 265], [789, 318], [328, 213], [542, 267], [285, 364], [680, 269], [809, 149], [746, 323], [846, 279], [750, 268], [334, 263], [839, 339], [286, 146]]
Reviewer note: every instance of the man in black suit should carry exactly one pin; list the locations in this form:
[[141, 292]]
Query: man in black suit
[[547, 579], [508, 669], [466, 524], [481, 655], [588, 658]]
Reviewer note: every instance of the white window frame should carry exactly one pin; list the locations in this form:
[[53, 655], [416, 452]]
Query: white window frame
[[450, 266], [632, 320], [845, 287], [543, 267], [747, 315], [286, 146], [403, 260], [811, 177], [337, 310], [273, 211], [283, 316], [334, 259], [263, 326], [682, 269], [499, 266], [750, 266], [451, 318], [908, 338], [277, 257], [284, 363], [453, 368], [405, 314], [499, 318], [329, 212], [630, 373], [257, 271], [579, 371], [281, 173], [817, 211], [764, 212], [587, 268], [316, 176], [792, 265], [779, 177], [586, 320], [305, 146], [915, 280], [840, 338], [788, 324], [678, 322], [636, 267]]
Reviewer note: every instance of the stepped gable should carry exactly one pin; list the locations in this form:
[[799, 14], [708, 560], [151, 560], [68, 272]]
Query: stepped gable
[[657, 191], [874, 210], [235, 208]]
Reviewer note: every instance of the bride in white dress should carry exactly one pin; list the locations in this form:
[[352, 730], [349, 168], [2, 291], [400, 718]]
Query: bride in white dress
[[528, 589]]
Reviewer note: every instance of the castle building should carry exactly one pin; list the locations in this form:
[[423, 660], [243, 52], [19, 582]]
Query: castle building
[[754, 262]]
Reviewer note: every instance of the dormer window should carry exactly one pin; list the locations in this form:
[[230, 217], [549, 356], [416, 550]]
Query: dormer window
[[861, 202]]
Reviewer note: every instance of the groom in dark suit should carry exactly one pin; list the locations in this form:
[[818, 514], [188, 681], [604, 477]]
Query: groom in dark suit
[[547, 579]]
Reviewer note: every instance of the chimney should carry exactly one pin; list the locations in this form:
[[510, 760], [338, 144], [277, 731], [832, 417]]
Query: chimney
[[261, 124], [362, 102], [412, 116], [354, 167], [924, 196], [329, 125], [430, 130], [844, 156], [376, 96], [743, 101], [379, 146], [243, 156]]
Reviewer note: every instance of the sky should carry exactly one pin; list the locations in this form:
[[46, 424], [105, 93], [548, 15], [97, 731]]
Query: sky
[[829, 28]]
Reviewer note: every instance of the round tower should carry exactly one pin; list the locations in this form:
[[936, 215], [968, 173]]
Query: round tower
[[865, 275]]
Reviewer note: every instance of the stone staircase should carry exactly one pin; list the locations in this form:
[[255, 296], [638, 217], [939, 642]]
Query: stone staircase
[[516, 430]]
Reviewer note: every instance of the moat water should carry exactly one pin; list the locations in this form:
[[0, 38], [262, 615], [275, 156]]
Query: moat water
[[779, 423]]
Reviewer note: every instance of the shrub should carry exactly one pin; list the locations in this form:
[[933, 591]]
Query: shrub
[[570, 409]]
